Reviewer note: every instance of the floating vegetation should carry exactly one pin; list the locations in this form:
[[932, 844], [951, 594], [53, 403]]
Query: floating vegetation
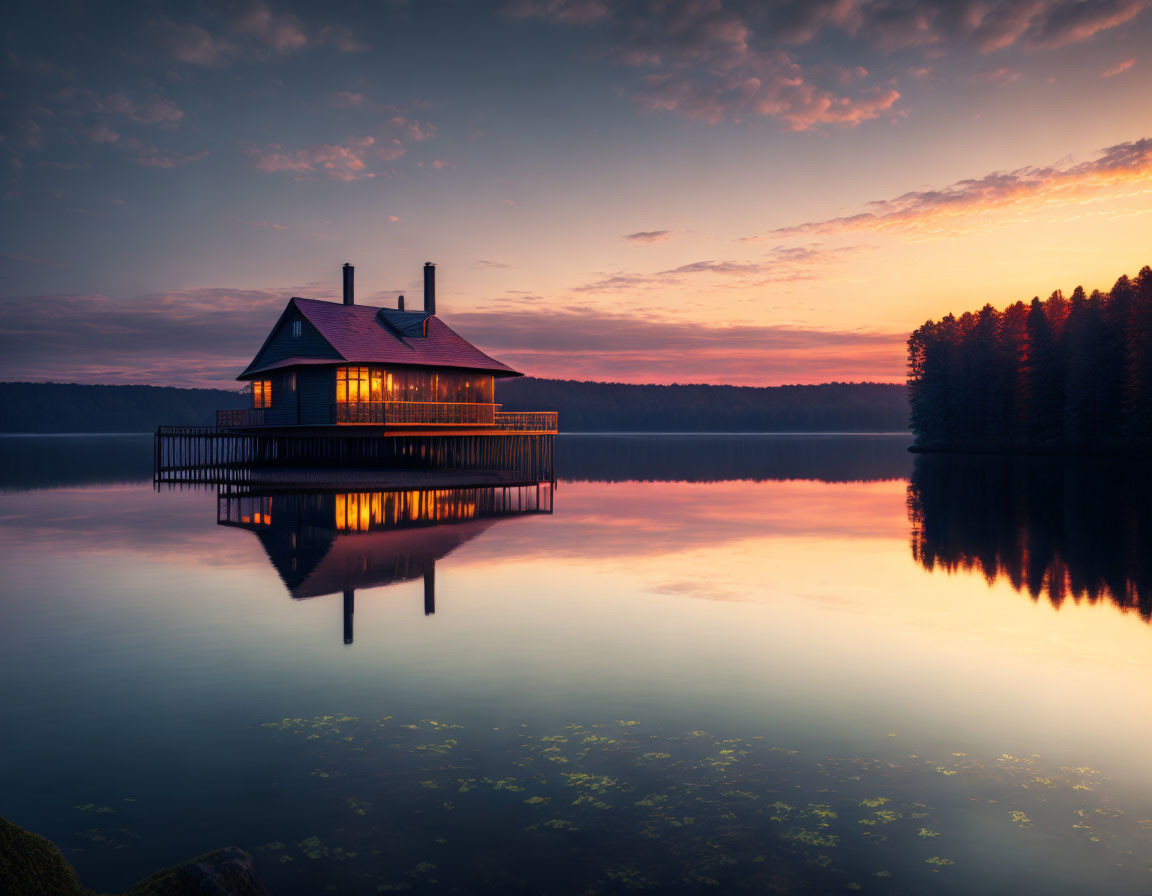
[[425, 806]]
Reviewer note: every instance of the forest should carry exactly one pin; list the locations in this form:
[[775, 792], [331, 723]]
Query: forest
[[625, 407], [1062, 375], [71, 407], [583, 407]]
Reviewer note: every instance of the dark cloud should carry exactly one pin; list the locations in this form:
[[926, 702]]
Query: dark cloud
[[205, 337], [782, 264], [722, 60], [247, 30], [648, 237]]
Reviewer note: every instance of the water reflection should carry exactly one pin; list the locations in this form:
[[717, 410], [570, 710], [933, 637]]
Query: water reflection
[[712, 457], [333, 542], [1057, 528]]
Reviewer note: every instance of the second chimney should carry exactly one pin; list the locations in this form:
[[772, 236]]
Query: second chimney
[[400, 304], [349, 294], [429, 288]]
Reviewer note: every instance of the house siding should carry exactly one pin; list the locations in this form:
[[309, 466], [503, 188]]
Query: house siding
[[317, 388], [282, 411], [309, 344]]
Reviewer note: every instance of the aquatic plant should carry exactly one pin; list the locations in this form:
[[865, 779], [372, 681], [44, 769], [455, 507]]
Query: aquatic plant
[[606, 808]]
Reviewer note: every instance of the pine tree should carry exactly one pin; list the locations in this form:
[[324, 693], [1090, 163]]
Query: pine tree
[[1138, 397]]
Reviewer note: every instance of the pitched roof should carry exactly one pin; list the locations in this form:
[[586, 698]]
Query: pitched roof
[[361, 334]]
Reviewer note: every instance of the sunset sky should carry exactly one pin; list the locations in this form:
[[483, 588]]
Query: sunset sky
[[664, 191]]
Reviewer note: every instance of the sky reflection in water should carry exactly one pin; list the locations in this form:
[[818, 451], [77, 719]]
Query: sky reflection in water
[[770, 598]]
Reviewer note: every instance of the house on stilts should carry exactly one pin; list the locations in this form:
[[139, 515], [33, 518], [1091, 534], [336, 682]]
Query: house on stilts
[[348, 384]]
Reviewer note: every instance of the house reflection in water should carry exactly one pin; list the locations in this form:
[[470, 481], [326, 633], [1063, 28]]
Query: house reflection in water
[[1057, 527], [333, 542]]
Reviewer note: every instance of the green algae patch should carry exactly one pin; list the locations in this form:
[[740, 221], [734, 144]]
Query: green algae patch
[[603, 808]]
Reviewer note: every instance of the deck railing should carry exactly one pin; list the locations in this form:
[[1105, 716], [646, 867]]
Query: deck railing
[[419, 413], [241, 417], [528, 421], [429, 413]]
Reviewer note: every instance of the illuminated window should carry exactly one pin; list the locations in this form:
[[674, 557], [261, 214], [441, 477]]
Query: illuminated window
[[296, 327], [360, 385], [262, 393], [356, 384]]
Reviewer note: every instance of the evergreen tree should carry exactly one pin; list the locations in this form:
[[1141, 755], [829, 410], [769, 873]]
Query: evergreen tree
[[1062, 374], [1138, 393]]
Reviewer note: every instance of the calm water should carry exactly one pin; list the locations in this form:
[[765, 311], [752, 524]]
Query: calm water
[[700, 664]]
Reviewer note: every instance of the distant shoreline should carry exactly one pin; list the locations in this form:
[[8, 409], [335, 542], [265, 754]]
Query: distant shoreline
[[583, 407]]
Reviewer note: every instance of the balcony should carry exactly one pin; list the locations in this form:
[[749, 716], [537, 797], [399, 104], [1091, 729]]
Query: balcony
[[241, 417], [443, 413], [427, 413], [528, 421]]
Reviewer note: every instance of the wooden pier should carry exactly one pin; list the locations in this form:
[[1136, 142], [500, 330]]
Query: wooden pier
[[215, 454]]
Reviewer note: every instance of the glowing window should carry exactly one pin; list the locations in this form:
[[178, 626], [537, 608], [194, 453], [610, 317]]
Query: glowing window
[[262, 393]]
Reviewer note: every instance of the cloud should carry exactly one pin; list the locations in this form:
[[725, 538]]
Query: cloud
[[484, 263], [78, 111], [782, 264], [154, 157], [734, 60], [1118, 68], [265, 224], [145, 339], [345, 99], [576, 12], [338, 161], [82, 103], [194, 45], [153, 110], [1069, 23], [204, 337], [648, 237], [343, 39], [398, 127], [1119, 170], [249, 30], [602, 345], [1001, 76]]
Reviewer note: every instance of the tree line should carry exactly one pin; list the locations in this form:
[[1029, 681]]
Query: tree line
[[72, 407], [1065, 374], [626, 407], [583, 406]]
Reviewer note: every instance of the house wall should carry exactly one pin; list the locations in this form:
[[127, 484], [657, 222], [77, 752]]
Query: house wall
[[309, 344], [317, 388]]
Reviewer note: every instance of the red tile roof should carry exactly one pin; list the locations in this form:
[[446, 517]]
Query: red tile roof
[[361, 335]]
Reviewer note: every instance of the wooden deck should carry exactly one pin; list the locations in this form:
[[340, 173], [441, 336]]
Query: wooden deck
[[403, 417], [219, 454]]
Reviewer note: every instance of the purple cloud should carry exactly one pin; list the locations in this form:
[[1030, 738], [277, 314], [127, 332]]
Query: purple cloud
[[204, 337], [649, 237]]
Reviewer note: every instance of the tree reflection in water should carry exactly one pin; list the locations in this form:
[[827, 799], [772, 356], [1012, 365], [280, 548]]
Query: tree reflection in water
[[1060, 528]]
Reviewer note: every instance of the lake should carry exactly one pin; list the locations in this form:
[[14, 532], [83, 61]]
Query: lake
[[771, 663]]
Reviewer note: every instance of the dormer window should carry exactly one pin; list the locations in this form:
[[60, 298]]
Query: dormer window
[[297, 327]]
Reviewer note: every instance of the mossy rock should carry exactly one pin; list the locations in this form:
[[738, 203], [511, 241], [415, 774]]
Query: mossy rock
[[31, 865], [222, 872]]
